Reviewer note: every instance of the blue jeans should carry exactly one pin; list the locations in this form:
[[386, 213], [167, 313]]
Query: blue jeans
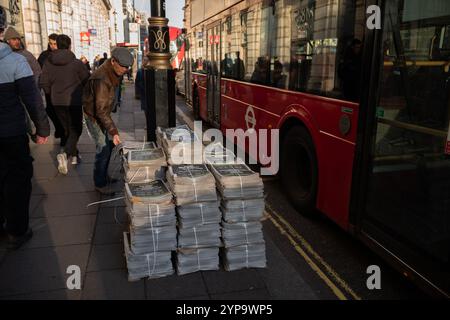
[[104, 147]]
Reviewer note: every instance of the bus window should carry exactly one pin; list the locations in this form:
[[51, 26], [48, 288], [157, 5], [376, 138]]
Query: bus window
[[232, 66], [409, 185], [325, 49]]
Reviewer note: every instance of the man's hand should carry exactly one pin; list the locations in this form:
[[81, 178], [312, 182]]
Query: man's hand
[[41, 140], [116, 140]]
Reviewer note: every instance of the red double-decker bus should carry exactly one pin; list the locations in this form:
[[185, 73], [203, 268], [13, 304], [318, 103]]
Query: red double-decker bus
[[363, 111]]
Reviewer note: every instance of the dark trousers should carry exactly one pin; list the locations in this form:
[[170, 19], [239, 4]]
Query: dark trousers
[[59, 130], [16, 171], [71, 119]]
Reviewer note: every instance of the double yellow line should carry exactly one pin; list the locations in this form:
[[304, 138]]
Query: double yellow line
[[331, 278]]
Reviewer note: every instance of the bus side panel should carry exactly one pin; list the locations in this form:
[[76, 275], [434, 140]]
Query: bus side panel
[[336, 152], [322, 116], [244, 108]]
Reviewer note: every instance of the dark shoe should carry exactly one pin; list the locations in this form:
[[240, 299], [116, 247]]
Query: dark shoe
[[15, 242], [106, 191]]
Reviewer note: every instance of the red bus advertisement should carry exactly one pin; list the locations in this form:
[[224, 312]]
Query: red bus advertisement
[[362, 113]]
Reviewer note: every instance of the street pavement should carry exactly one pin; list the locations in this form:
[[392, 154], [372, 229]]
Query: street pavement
[[67, 232]]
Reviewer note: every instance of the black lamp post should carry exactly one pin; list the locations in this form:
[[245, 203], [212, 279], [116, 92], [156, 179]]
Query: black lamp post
[[159, 75]]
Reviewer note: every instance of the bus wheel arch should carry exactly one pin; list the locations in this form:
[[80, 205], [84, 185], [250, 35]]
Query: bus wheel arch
[[299, 166]]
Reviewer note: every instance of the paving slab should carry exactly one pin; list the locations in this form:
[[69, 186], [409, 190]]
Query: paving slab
[[63, 184], [47, 295], [43, 269], [112, 215], [255, 294], [112, 285], [45, 170], [61, 231], [107, 257], [109, 234], [176, 287], [218, 282], [65, 204]]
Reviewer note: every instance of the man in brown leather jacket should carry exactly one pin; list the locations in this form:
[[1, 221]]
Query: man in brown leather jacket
[[98, 103]]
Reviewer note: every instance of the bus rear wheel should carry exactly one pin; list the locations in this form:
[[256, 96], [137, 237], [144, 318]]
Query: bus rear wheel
[[196, 105], [299, 170]]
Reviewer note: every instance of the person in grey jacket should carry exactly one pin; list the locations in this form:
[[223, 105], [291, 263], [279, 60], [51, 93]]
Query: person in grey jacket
[[63, 77], [17, 87]]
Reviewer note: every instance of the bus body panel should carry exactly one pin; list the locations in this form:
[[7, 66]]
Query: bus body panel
[[245, 105]]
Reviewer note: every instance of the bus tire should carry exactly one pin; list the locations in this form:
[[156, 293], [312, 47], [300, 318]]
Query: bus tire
[[299, 173], [196, 105]]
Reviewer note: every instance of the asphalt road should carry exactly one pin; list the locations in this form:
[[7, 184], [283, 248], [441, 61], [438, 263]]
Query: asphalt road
[[333, 263]]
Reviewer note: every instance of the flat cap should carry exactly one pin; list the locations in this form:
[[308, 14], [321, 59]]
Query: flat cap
[[11, 33], [123, 56]]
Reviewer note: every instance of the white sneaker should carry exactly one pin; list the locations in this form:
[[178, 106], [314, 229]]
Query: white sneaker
[[62, 163]]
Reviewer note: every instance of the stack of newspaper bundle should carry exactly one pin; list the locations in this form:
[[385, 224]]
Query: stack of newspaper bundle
[[199, 217], [143, 166], [242, 207], [152, 234], [181, 144]]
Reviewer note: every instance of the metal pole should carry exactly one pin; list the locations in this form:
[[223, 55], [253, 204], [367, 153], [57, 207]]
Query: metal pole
[[159, 76]]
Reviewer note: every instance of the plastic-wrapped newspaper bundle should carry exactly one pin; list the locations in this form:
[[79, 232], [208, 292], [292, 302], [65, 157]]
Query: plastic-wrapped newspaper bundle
[[143, 166], [204, 235], [150, 265], [200, 259], [237, 181], [155, 239], [216, 153], [167, 133], [151, 215], [244, 245], [242, 233], [153, 231], [155, 192], [181, 144], [245, 256], [194, 214], [191, 184], [127, 146], [242, 210]]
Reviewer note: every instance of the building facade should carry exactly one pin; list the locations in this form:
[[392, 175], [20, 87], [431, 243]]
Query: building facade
[[36, 19]]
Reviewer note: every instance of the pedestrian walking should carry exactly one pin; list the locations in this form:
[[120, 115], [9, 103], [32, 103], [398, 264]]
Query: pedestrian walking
[[17, 86], [86, 63], [98, 103], [14, 39], [63, 78], [102, 60], [59, 130]]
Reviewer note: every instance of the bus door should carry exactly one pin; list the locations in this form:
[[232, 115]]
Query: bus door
[[213, 75], [406, 209]]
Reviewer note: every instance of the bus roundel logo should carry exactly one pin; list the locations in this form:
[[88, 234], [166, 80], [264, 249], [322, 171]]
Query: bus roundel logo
[[250, 119]]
